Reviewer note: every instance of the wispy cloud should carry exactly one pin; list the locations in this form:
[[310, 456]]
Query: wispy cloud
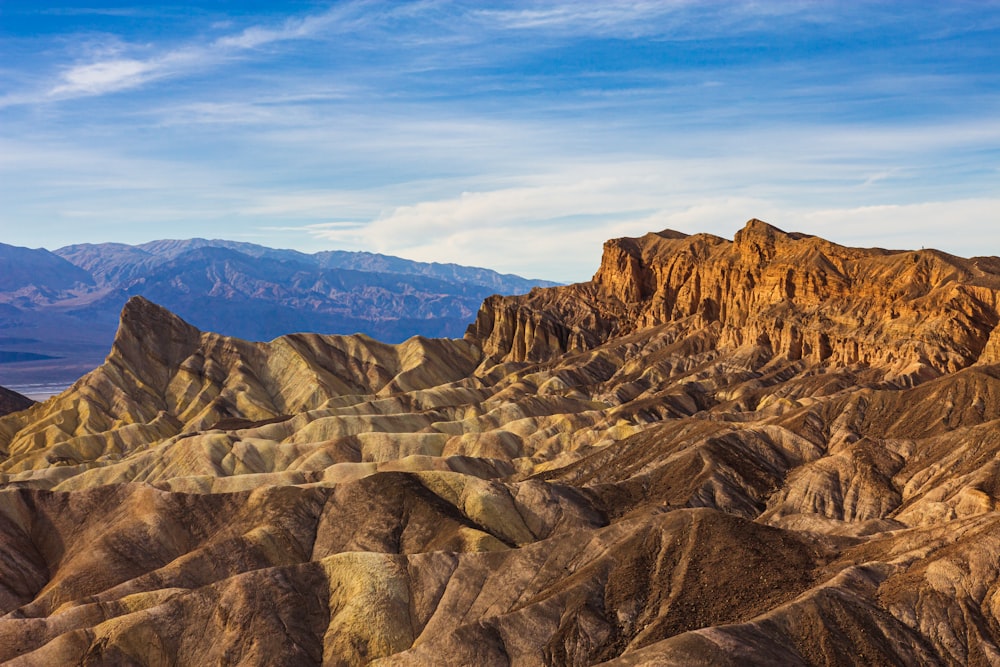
[[673, 19], [577, 16], [568, 246], [116, 73], [295, 28], [105, 76]]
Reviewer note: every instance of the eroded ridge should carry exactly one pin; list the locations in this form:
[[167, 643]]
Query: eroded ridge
[[772, 450]]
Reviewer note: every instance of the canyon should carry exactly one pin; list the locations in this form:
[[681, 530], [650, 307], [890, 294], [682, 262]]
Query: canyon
[[767, 450]]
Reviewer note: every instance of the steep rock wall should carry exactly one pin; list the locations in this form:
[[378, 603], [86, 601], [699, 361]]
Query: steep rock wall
[[912, 315]]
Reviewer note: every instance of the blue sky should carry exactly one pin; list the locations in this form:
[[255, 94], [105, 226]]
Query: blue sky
[[516, 135]]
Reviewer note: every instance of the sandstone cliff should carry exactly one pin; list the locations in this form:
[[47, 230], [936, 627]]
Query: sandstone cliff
[[775, 450], [911, 315]]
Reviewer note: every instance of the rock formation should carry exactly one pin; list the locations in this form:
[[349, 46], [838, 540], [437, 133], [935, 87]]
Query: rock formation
[[908, 314], [775, 450]]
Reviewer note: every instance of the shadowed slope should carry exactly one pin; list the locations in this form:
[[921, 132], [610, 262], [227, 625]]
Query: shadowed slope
[[11, 401]]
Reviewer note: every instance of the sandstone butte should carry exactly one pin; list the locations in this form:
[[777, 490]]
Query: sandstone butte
[[771, 450]]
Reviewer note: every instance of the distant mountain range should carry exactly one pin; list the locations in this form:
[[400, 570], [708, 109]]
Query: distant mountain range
[[59, 309]]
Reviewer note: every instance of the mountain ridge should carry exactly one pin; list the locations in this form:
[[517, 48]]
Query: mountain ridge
[[240, 289], [88, 257], [711, 281], [600, 473]]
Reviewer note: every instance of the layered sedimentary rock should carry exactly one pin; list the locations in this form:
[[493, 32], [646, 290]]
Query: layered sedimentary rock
[[774, 450], [908, 314]]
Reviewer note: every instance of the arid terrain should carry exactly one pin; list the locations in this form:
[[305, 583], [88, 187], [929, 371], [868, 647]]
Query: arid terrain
[[59, 310], [774, 450]]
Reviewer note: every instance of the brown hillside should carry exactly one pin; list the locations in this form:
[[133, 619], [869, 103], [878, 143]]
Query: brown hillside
[[775, 450]]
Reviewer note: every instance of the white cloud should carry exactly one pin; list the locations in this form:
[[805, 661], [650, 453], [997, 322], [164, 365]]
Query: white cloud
[[592, 16], [114, 72], [554, 228], [548, 223], [678, 19], [905, 226], [110, 72], [106, 76], [298, 28]]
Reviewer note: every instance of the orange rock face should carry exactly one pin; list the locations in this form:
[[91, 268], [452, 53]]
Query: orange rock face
[[910, 315], [769, 451]]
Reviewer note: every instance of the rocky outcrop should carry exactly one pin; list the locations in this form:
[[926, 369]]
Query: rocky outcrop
[[912, 315], [667, 465]]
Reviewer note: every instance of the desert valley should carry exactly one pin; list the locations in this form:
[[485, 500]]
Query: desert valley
[[770, 450]]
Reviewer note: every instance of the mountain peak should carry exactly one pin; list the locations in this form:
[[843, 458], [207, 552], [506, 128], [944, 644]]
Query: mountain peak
[[760, 240], [758, 226], [151, 339], [24, 267], [756, 230], [141, 316], [671, 234]]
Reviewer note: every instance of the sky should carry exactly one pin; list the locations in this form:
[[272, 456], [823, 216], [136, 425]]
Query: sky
[[517, 136]]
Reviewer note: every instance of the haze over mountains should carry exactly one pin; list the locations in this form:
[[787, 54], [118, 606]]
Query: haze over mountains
[[771, 450], [59, 310]]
